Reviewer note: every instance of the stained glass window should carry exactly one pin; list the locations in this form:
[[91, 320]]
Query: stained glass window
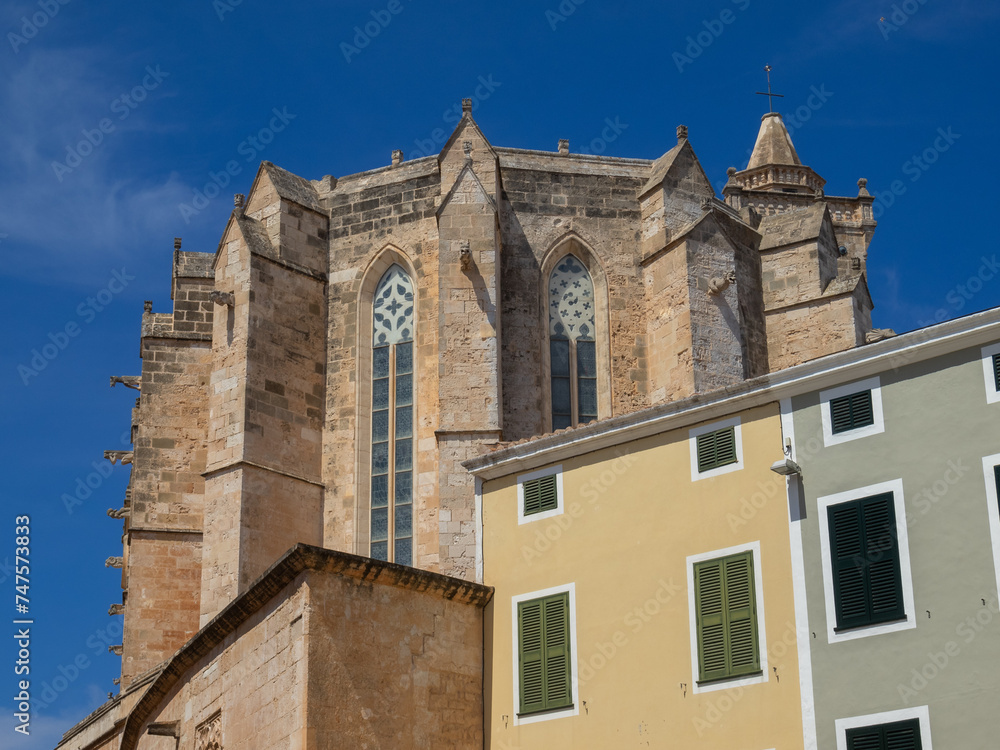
[[392, 419], [572, 346]]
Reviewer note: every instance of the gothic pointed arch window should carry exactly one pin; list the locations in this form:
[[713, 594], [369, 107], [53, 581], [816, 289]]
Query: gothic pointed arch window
[[572, 344], [391, 531]]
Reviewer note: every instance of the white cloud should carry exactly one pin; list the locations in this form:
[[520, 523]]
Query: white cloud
[[97, 211]]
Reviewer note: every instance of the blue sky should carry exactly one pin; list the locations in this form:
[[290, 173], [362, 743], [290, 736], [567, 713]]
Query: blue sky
[[119, 118]]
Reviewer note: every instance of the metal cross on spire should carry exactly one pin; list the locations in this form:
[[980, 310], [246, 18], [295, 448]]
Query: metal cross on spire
[[768, 93]]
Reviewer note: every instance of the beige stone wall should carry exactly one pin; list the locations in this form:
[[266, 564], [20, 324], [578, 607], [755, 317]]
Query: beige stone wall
[[256, 679], [393, 668], [807, 331], [344, 655], [161, 611]]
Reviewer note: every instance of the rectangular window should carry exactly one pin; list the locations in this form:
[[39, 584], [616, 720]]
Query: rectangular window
[[540, 495], [544, 654], [864, 550], [900, 735], [716, 449], [726, 617], [851, 412]]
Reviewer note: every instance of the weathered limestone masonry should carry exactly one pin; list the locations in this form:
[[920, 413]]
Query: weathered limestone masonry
[[253, 432], [161, 575], [813, 253]]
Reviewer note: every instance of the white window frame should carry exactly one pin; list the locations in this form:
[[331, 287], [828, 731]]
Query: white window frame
[[878, 424], [992, 394], [993, 510], [560, 713], [693, 434], [922, 713], [894, 486], [758, 584], [541, 516]]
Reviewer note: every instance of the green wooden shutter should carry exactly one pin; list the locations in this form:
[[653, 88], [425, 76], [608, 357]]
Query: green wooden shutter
[[540, 495], [900, 735], [558, 692], [741, 612], [532, 678], [716, 449], [867, 581], [851, 412], [711, 620], [996, 371], [726, 617], [544, 654]]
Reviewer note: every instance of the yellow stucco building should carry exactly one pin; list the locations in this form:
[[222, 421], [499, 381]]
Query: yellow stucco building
[[643, 578]]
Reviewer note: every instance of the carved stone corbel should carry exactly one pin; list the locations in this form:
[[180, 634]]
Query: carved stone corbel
[[116, 650], [116, 609], [222, 298], [114, 562], [119, 513], [115, 456]]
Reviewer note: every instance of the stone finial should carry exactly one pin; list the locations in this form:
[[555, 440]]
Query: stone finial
[[564, 146], [113, 562], [731, 172], [222, 298], [466, 106], [116, 609], [465, 255], [116, 650], [177, 243], [239, 199], [147, 306], [115, 456], [863, 188], [397, 157], [682, 133]]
